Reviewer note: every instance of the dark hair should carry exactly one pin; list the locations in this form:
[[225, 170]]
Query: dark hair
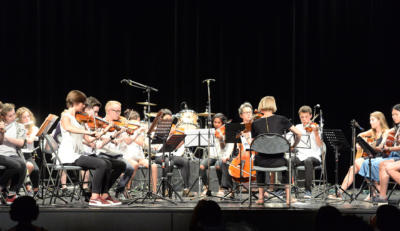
[[220, 116], [396, 107], [92, 102], [387, 217], [206, 214], [75, 96], [24, 209], [131, 114]]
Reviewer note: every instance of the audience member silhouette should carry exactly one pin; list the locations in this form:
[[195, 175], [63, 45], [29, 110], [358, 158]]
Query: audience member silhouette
[[387, 217], [206, 216], [24, 210], [328, 218]]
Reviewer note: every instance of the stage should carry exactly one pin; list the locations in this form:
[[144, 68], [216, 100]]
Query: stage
[[164, 215]]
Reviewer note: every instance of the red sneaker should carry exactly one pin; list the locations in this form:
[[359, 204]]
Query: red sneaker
[[113, 201], [99, 202], [11, 199]]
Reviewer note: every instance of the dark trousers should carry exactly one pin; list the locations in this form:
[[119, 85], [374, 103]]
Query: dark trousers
[[181, 162], [270, 161], [224, 179], [101, 174], [309, 165], [15, 171], [117, 168]]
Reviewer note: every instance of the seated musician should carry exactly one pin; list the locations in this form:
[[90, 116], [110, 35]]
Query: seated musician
[[375, 135], [308, 157], [271, 123], [177, 159], [71, 151], [390, 166], [27, 119], [111, 151], [219, 154], [14, 138], [133, 150]]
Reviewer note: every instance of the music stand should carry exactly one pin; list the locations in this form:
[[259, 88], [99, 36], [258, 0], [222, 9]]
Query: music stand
[[232, 135], [169, 146], [198, 138], [161, 133], [372, 153], [44, 130], [337, 141]]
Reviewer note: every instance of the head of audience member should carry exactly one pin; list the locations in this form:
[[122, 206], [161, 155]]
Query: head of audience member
[[93, 106], [8, 113], [246, 112], [387, 217], [76, 100], [328, 218], [218, 120], [353, 222], [24, 210], [113, 110], [207, 215], [305, 114]]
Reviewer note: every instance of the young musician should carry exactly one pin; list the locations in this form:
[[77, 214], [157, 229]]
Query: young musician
[[71, 151], [180, 161], [133, 150], [218, 156], [271, 123], [14, 139], [308, 157], [27, 119], [379, 127], [390, 167]]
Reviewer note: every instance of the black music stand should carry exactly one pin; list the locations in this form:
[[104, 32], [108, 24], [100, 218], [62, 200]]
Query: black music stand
[[232, 135], [161, 133], [169, 146], [372, 153], [337, 141]]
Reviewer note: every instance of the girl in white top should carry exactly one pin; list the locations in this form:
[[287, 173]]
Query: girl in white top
[[27, 119]]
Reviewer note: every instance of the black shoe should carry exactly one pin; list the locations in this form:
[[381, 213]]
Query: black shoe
[[87, 194]]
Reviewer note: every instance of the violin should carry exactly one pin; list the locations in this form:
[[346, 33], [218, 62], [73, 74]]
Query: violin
[[257, 114], [220, 132], [310, 127], [93, 122]]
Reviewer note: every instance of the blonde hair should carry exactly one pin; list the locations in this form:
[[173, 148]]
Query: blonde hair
[[267, 104], [19, 114], [382, 121], [110, 103]]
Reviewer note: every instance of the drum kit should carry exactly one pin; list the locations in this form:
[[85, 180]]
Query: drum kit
[[187, 119]]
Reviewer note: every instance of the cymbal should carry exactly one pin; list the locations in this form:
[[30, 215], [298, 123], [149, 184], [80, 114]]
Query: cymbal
[[146, 103], [151, 114], [205, 114]]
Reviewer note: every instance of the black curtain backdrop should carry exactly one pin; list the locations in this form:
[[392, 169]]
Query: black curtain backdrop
[[340, 54]]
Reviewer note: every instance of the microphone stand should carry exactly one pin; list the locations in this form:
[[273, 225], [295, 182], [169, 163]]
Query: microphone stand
[[209, 136], [148, 90]]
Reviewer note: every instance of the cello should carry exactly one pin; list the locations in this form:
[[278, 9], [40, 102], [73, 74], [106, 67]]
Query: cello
[[239, 168]]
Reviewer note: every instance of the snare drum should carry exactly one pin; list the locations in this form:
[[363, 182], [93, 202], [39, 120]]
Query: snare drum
[[187, 120]]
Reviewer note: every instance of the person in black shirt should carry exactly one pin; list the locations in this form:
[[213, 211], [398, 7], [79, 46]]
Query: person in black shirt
[[271, 123]]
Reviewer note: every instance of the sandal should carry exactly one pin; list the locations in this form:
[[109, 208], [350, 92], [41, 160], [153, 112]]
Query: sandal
[[260, 202]]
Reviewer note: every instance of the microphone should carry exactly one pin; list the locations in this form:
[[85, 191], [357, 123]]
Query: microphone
[[208, 80], [355, 124], [317, 106]]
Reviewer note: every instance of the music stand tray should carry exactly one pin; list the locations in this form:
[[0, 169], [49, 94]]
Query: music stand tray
[[366, 147], [232, 131], [199, 137], [172, 143]]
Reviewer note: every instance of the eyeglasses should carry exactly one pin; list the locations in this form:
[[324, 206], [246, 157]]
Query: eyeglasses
[[247, 112], [117, 111]]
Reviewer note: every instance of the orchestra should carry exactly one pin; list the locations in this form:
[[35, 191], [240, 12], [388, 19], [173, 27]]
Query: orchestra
[[112, 148]]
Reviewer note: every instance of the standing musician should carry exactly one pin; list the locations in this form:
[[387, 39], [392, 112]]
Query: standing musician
[[390, 167], [309, 157], [218, 156], [71, 151], [375, 136], [133, 150], [271, 123], [14, 139], [27, 119], [177, 159]]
